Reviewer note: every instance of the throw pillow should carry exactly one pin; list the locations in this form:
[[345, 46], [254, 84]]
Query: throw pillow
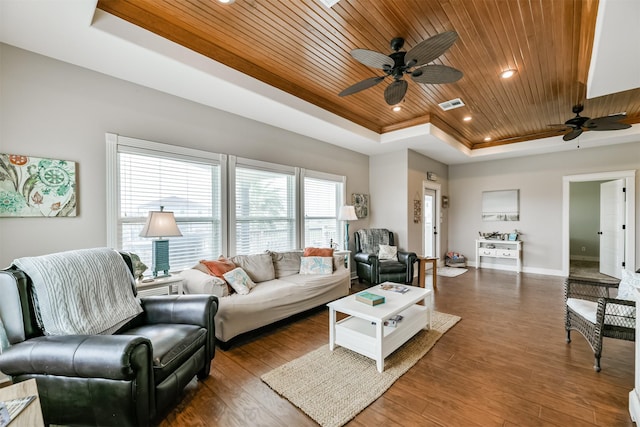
[[316, 265], [388, 252], [321, 252], [197, 282], [626, 287], [239, 280], [219, 267]]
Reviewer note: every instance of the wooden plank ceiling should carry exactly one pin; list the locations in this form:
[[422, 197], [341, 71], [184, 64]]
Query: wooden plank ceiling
[[303, 48]]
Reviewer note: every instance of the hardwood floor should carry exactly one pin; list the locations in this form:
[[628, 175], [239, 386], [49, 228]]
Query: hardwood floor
[[505, 363]]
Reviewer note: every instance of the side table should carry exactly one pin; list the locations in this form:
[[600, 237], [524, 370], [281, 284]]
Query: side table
[[168, 282], [31, 416], [422, 264]]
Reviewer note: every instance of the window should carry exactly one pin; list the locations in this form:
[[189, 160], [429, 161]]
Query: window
[[264, 206], [223, 205], [149, 177], [323, 196]]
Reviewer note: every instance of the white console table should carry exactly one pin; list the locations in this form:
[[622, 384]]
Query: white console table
[[507, 249]]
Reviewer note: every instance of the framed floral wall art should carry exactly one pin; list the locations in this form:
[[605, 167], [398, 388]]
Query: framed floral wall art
[[37, 187]]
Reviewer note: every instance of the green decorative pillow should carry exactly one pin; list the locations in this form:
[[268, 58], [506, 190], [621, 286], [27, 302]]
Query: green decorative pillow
[[138, 266]]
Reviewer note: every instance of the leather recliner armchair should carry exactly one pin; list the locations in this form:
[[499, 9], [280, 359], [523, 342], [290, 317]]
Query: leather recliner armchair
[[374, 270], [130, 378]]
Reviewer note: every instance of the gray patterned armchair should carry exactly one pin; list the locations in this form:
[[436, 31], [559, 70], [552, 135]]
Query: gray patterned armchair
[[375, 270]]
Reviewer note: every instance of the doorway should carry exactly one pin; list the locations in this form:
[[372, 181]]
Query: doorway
[[618, 210], [431, 219]]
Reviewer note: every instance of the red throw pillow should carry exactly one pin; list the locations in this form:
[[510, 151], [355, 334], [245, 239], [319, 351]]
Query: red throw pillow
[[321, 252], [219, 267]]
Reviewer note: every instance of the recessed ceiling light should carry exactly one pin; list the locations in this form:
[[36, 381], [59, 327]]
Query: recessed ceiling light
[[397, 108], [467, 118], [507, 74], [226, 1], [487, 138]]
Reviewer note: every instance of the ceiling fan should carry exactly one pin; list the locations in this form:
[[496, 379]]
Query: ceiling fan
[[579, 124], [414, 62]]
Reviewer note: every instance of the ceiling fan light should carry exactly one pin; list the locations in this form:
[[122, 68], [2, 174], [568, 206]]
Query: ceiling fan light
[[507, 74], [397, 108]]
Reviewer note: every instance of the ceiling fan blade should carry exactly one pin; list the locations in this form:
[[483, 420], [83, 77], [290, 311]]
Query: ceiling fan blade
[[572, 135], [436, 74], [607, 123], [372, 58], [431, 48], [365, 84], [394, 93]]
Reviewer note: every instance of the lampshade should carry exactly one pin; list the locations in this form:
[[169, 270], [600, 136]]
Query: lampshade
[[160, 224], [347, 213]]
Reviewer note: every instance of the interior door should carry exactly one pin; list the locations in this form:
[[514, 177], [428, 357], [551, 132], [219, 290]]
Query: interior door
[[612, 233], [430, 224]]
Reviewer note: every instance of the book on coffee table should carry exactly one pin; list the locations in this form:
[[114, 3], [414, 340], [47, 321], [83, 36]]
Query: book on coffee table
[[369, 298]]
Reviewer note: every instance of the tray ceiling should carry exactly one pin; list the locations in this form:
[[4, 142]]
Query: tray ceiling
[[303, 48]]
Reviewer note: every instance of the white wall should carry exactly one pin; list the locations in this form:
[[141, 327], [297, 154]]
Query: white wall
[[52, 109], [539, 179], [388, 199]]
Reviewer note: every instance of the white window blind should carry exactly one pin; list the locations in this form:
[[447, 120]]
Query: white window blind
[[264, 210], [187, 187], [322, 199]]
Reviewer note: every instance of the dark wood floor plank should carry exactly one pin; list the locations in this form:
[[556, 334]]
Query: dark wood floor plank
[[506, 363]]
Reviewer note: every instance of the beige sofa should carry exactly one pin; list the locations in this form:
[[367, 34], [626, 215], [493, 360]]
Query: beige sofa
[[280, 291]]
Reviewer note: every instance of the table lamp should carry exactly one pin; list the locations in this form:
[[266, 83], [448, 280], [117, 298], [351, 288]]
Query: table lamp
[[347, 213], [160, 224]]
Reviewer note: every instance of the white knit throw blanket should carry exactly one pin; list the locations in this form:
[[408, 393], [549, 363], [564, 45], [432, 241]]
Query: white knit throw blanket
[[82, 292]]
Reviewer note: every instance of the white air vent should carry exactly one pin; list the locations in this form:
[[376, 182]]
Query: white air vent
[[450, 105]]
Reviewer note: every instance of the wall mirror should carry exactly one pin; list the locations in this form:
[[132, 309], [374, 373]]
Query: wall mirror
[[501, 205]]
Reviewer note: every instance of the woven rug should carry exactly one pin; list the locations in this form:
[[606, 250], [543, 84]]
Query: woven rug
[[451, 271], [333, 387]]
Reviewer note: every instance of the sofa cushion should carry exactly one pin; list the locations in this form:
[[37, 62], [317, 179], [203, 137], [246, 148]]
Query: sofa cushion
[[239, 280], [172, 345], [316, 265], [197, 282], [286, 263], [259, 267]]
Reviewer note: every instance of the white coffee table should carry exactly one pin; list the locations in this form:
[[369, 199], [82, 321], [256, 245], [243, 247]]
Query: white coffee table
[[364, 331]]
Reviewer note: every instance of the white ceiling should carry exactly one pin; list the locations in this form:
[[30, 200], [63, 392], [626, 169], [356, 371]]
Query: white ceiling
[[74, 31]]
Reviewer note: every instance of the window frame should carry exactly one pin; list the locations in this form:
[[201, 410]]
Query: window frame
[[119, 144], [340, 201]]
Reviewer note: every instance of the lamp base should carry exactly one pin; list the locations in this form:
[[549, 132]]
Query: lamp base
[[346, 235], [160, 257]]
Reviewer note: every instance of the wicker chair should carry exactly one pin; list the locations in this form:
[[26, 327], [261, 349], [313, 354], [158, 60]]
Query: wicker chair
[[591, 311]]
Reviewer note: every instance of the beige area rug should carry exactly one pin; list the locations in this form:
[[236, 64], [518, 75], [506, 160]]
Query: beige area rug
[[333, 387], [451, 271]]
